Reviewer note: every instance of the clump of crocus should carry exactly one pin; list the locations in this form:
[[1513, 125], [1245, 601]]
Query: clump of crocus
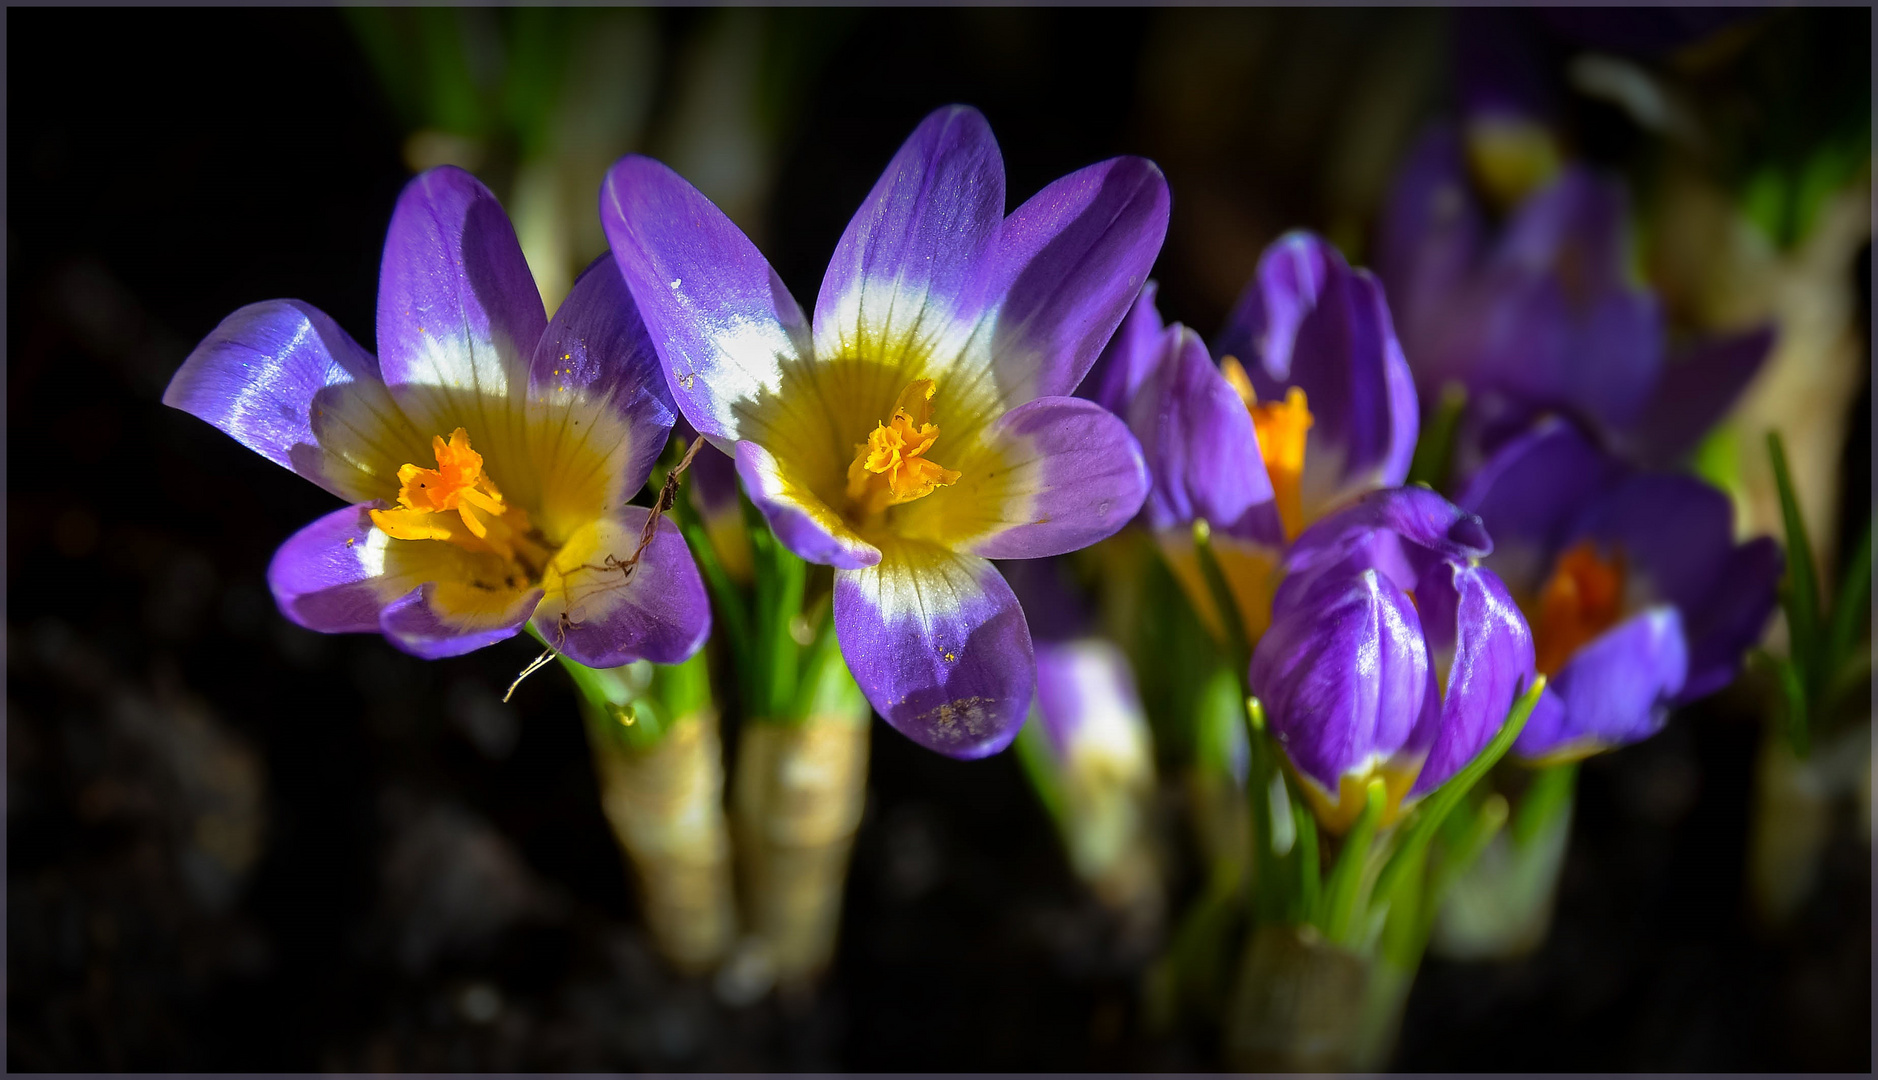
[[916, 430], [489, 454], [1546, 313], [1310, 406], [1638, 596], [1392, 652]]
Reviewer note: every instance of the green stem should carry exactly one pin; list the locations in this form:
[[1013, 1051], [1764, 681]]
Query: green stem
[[1238, 642], [1549, 793]]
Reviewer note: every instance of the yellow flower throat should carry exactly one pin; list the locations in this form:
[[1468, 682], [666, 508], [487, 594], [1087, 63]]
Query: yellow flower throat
[[1282, 427], [458, 503], [890, 468]]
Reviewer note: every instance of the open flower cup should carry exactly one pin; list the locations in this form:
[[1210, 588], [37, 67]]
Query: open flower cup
[[1310, 406], [489, 454], [917, 429], [1638, 595]]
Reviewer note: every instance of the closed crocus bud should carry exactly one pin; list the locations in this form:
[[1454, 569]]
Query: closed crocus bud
[[1392, 654]]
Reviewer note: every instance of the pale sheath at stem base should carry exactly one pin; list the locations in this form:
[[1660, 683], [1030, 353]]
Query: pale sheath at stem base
[[800, 789], [664, 801], [1304, 1004]]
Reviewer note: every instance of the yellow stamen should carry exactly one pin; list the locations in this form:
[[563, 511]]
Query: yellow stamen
[[1583, 598], [1282, 427], [891, 467], [458, 503]]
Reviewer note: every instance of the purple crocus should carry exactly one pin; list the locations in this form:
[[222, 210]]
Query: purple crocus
[[1545, 315], [1638, 596], [566, 415], [1310, 406], [1392, 652], [918, 428]]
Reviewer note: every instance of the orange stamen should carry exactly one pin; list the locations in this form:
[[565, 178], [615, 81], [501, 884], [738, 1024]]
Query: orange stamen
[[1583, 598], [458, 503], [1282, 428], [891, 467]]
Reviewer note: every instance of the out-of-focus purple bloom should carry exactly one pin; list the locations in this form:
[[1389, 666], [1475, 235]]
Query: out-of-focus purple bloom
[[1638, 596], [1392, 653], [917, 429], [1310, 406], [1545, 315], [568, 414]]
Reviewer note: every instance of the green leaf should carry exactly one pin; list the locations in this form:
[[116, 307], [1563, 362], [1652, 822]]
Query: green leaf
[[1800, 591], [1549, 795], [1239, 644], [1428, 816], [1345, 878], [1434, 451], [1850, 612]]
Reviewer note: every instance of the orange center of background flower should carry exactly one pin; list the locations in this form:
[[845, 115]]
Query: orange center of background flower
[[1582, 599], [1282, 428]]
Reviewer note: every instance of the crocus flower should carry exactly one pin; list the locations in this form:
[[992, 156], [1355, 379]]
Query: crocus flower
[[488, 453], [1638, 596], [917, 428], [1545, 316], [1310, 406], [1392, 652]]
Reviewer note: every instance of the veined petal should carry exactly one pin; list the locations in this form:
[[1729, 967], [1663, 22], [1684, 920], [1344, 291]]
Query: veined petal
[[724, 325], [804, 523], [450, 618], [1308, 320], [601, 617], [939, 644], [458, 313], [1345, 678], [1201, 447], [899, 281], [286, 382], [331, 575], [1055, 475], [1129, 357], [1613, 692], [1067, 265], [598, 409], [1400, 529], [1479, 638]]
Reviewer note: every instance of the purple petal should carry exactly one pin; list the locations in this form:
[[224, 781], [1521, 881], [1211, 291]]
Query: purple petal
[[458, 311], [1430, 242], [1129, 358], [1696, 390], [713, 476], [722, 321], [1308, 320], [1067, 265], [1069, 473], [1344, 679], [601, 618], [1733, 618], [1478, 634], [1086, 697], [596, 350], [329, 576], [1674, 533], [1425, 526], [1614, 691], [1530, 492], [279, 377], [801, 520], [1201, 447], [418, 623], [900, 278], [938, 643]]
